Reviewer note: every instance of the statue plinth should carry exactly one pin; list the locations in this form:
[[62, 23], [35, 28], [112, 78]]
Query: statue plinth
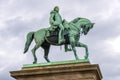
[[68, 71]]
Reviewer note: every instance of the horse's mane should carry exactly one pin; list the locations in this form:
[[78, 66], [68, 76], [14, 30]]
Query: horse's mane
[[75, 20], [79, 18]]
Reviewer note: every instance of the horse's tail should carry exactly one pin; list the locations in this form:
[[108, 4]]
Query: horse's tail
[[30, 37]]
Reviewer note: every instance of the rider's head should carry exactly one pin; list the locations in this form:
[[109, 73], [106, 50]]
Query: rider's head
[[56, 8]]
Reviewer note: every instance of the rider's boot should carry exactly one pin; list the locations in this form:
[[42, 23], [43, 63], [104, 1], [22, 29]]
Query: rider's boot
[[61, 37], [61, 41]]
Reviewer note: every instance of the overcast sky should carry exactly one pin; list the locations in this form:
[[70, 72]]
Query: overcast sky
[[18, 17]]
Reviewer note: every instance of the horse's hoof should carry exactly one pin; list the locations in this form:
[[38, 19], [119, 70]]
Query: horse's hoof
[[34, 62], [77, 59], [48, 61], [86, 57]]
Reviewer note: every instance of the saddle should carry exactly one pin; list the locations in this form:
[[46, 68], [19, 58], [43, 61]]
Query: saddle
[[54, 35], [55, 32]]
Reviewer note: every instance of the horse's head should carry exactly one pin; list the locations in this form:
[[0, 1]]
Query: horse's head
[[83, 23], [86, 25]]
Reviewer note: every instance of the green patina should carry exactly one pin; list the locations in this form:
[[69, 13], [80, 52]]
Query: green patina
[[59, 33], [55, 63]]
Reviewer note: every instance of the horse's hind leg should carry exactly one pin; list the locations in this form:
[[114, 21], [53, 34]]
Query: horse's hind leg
[[78, 44], [46, 48], [33, 52]]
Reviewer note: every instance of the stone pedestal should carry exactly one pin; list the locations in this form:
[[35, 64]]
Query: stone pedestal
[[69, 71]]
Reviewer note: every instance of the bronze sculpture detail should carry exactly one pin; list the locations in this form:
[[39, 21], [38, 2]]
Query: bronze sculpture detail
[[61, 32]]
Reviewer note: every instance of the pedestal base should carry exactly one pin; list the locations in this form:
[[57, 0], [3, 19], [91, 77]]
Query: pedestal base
[[70, 71]]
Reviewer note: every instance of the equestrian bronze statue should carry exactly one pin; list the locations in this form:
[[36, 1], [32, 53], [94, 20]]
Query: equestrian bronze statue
[[59, 33]]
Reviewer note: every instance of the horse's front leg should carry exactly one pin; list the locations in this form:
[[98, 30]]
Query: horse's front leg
[[72, 42], [78, 44], [74, 50]]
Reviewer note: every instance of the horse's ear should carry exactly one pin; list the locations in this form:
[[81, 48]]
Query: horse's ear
[[92, 25]]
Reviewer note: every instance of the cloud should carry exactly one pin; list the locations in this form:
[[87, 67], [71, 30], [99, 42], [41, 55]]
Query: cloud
[[17, 18], [115, 44]]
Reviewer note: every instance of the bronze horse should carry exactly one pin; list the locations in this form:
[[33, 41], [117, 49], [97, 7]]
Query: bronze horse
[[76, 27]]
